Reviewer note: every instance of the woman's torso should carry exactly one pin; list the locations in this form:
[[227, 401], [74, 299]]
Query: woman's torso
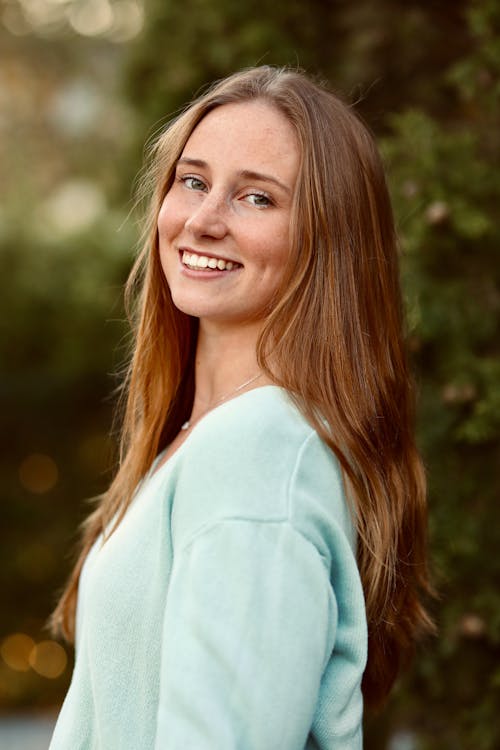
[[208, 618]]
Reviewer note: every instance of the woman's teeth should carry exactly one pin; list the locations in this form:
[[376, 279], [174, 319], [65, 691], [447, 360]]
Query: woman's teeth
[[191, 260]]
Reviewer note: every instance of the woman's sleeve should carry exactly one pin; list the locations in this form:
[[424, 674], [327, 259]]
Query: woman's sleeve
[[249, 626]]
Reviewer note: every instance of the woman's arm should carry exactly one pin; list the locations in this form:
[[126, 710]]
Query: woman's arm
[[249, 627]]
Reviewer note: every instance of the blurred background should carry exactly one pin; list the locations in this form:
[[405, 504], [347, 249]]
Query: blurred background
[[83, 85]]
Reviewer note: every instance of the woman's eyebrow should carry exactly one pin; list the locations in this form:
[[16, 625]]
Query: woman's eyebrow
[[192, 162], [247, 174]]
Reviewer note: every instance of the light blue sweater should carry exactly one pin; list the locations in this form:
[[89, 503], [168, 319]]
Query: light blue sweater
[[226, 611]]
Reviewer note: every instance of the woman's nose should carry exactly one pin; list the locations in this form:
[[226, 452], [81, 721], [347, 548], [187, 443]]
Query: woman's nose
[[207, 220]]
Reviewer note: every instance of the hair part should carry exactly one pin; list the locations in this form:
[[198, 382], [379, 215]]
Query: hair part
[[335, 336]]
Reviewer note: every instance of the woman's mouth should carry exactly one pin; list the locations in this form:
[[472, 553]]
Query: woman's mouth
[[207, 262]]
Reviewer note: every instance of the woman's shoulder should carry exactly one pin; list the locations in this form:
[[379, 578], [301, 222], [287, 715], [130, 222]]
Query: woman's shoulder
[[264, 416], [250, 442], [257, 459]]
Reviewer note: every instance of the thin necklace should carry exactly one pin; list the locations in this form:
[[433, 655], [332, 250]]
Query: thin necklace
[[220, 401]]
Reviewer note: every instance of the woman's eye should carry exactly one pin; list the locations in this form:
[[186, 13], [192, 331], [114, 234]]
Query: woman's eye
[[259, 199], [193, 183]]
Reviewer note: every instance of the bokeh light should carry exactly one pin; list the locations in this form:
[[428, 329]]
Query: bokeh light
[[48, 659], [128, 21], [38, 473], [91, 18], [72, 207], [15, 651], [117, 20]]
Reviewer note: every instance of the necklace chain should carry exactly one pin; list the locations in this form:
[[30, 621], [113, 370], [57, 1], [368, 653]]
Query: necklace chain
[[191, 423]]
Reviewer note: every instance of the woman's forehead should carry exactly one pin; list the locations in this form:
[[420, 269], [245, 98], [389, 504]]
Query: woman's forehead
[[251, 135]]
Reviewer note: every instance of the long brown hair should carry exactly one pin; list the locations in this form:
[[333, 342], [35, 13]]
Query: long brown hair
[[336, 336]]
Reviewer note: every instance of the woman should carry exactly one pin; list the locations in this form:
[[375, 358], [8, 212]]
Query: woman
[[264, 538]]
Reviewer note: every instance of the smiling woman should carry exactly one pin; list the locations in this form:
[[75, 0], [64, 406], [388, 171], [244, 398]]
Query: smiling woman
[[253, 577]]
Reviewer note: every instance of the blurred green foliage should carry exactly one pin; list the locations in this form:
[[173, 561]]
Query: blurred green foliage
[[426, 76]]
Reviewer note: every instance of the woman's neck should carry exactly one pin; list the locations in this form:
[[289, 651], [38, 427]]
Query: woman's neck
[[225, 366], [225, 361]]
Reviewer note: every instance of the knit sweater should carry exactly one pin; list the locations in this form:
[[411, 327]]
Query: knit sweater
[[226, 610]]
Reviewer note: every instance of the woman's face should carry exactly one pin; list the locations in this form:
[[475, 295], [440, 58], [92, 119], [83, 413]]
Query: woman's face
[[224, 224]]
